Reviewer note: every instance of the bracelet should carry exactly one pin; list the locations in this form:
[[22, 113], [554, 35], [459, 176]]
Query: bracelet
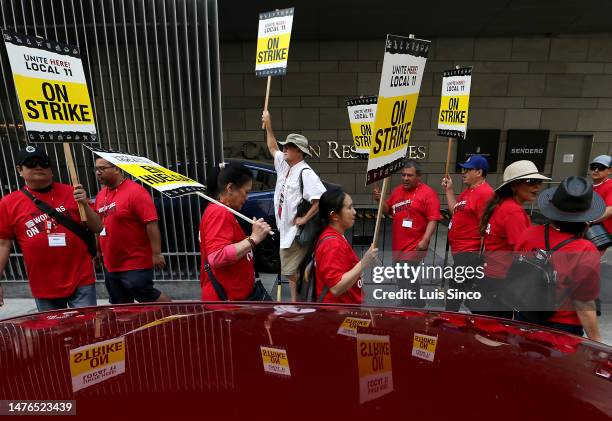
[[252, 242]]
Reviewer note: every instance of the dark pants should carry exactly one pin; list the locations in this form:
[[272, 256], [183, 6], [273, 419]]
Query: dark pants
[[491, 303], [465, 259], [127, 286]]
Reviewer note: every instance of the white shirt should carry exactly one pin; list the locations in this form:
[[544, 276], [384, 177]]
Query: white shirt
[[288, 187]]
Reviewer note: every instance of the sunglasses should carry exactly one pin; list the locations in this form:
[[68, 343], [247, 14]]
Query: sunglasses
[[597, 167], [533, 181], [33, 164]]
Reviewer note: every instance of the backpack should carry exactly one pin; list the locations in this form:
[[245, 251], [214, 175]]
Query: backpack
[[532, 282], [307, 283]]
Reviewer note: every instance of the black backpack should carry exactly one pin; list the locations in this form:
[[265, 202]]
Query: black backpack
[[532, 282], [307, 283]]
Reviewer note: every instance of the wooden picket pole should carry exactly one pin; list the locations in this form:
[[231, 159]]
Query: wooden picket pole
[[74, 177], [381, 204]]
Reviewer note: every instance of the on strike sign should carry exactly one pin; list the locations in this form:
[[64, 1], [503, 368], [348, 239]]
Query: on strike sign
[[454, 103], [361, 115], [94, 363], [51, 88], [273, 42], [374, 362], [400, 83]]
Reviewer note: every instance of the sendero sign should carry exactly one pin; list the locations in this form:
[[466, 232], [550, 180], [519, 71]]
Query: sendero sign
[[400, 82], [51, 89], [273, 42]]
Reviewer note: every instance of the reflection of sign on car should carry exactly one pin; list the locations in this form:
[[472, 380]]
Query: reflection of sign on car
[[94, 363], [374, 362]]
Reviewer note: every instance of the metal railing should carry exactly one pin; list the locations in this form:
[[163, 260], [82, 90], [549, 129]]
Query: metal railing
[[153, 73]]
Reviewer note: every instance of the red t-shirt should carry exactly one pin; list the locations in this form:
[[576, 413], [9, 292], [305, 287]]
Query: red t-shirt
[[125, 211], [54, 272], [411, 211], [505, 226], [333, 258], [464, 228], [577, 265], [218, 229], [604, 189]]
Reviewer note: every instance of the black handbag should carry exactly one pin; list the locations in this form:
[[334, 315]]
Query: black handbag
[[306, 233], [80, 231], [259, 292]]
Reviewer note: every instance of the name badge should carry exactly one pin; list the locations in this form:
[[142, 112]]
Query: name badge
[[450, 225], [57, 240], [103, 232], [407, 223]]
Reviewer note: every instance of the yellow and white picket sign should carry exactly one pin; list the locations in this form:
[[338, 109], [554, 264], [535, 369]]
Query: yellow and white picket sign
[[361, 115], [168, 182], [51, 89], [275, 360], [350, 324], [424, 346], [94, 363], [374, 362], [454, 103], [400, 82], [273, 42]]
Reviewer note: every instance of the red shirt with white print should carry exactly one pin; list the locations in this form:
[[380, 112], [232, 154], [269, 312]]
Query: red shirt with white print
[[505, 226], [411, 211], [604, 189], [218, 229], [125, 212], [464, 228], [56, 259]]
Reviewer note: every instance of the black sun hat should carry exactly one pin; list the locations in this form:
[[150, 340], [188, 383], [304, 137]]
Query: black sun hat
[[572, 201]]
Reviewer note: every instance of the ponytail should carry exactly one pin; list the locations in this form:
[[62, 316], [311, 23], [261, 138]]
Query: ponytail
[[500, 195]]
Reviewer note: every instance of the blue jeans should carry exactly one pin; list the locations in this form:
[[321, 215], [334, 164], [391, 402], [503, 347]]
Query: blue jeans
[[84, 296]]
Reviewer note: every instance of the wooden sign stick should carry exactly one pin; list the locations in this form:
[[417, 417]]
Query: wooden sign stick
[[267, 98], [381, 203], [448, 156], [73, 176]]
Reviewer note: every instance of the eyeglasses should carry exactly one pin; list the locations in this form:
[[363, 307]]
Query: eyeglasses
[[467, 170], [533, 181], [33, 164], [597, 167], [101, 169]]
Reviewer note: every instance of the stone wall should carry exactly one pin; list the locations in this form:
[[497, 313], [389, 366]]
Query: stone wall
[[562, 84]]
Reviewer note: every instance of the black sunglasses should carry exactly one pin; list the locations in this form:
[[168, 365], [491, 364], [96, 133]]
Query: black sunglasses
[[533, 181], [33, 164], [597, 167]]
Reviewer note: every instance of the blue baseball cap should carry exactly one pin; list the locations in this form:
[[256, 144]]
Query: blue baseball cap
[[478, 162]]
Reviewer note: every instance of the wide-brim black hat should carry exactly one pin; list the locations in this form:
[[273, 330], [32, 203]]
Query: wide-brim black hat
[[571, 201]]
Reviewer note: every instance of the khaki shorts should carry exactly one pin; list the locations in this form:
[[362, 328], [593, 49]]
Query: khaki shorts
[[291, 258]]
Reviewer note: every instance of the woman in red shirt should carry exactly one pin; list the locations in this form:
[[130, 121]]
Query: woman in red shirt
[[338, 270], [577, 263], [503, 221], [227, 252]]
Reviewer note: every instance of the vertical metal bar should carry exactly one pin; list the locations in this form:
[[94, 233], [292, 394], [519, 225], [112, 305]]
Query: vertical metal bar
[[168, 221], [215, 79], [129, 74], [110, 78], [118, 67]]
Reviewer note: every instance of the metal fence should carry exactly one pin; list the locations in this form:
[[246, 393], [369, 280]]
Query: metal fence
[[153, 73]]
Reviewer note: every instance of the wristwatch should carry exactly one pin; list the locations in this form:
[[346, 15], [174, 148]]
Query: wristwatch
[[252, 242]]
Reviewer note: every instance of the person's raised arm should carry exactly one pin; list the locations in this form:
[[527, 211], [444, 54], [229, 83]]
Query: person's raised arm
[[94, 222], [349, 278], [447, 185], [266, 119]]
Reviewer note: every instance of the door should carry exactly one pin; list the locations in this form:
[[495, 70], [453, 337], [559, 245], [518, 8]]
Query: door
[[571, 156]]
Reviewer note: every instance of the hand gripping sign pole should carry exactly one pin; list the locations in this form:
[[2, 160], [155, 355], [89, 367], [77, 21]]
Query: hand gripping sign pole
[[400, 82], [273, 40], [74, 177]]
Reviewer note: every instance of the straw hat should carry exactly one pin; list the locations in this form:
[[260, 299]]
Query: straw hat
[[521, 170]]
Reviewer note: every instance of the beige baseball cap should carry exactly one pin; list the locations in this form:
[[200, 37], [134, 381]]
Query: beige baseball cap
[[298, 140]]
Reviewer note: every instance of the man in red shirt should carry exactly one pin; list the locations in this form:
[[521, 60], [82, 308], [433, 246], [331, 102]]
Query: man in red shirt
[[60, 270], [415, 209], [464, 227], [570, 206], [602, 185], [130, 241]]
